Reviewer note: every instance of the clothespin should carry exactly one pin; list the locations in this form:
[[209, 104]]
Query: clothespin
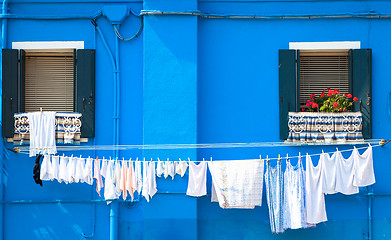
[[80, 156], [279, 157], [188, 159], [203, 159], [137, 159], [158, 159], [337, 149], [299, 155], [260, 158], [211, 159], [267, 158], [63, 154], [40, 109], [144, 159]]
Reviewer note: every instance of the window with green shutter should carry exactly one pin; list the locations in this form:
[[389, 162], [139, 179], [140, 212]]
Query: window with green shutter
[[54, 81], [302, 73]]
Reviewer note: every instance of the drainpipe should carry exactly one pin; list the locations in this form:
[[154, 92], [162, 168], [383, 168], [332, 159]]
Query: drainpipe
[[4, 26], [114, 204], [370, 195]]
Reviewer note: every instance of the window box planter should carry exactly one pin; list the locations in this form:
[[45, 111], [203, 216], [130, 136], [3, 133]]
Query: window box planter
[[68, 127], [316, 127]]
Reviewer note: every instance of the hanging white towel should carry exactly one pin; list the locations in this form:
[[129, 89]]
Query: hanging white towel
[[145, 189], [363, 167], [329, 172], [152, 188], [42, 133], [55, 168], [345, 175], [79, 173], [109, 189], [238, 183], [103, 169], [131, 182], [63, 170], [197, 179], [274, 182], [314, 197], [181, 167], [139, 178], [98, 176], [71, 170], [45, 168], [117, 178], [88, 171], [169, 169], [159, 168]]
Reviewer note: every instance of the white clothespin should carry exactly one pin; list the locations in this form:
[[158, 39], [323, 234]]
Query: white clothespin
[[299, 155], [144, 159], [211, 159], [137, 159], [337, 149], [203, 159], [267, 158], [80, 157], [40, 109], [180, 159], [188, 159]]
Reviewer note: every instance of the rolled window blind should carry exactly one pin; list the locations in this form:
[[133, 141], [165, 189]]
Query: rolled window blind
[[49, 82], [320, 71]]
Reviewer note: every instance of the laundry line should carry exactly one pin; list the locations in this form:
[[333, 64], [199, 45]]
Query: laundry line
[[211, 158], [197, 146]]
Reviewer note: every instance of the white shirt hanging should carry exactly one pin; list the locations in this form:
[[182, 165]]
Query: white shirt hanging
[[345, 175], [363, 166], [63, 170], [329, 172], [88, 171], [45, 168], [159, 168], [79, 173], [314, 197], [197, 179], [55, 168]]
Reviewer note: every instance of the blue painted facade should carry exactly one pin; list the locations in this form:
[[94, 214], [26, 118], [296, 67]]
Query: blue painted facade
[[189, 79]]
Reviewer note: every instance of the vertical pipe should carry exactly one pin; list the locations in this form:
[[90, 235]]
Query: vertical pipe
[[114, 220], [118, 90], [370, 195], [4, 25]]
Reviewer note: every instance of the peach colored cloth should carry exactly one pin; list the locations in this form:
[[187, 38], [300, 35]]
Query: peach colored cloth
[[131, 184]]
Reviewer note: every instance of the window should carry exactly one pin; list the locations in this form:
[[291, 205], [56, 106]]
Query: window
[[304, 72], [56, 81]]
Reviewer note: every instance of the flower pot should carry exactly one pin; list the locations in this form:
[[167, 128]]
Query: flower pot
[[316, 127]]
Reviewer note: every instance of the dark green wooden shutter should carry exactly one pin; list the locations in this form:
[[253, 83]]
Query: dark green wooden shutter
[[22, 69], [85, 90], [10, 90], [362, 87], [287, 88]]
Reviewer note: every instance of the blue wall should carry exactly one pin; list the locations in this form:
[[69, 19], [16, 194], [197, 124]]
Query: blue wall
[[188, 79]]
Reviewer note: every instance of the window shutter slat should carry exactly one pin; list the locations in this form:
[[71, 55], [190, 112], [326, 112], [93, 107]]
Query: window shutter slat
[[362, 87], [10, 90], [287, 88], [85, 90]]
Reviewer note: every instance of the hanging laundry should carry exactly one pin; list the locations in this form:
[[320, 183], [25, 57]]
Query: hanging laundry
[[145, 189], [55, 168], [345, 175], [237, 183], [42, 133], [181, 167], [139, 178], [329, 171], [314, 197], [197, 179], [152, 187], [88, 171], [131, 182], [98, 176], [103, 169], [109, 189], [363, 167], [274, 182], [71, 170], [294, 214], [124, 170], [169, 169], [117, 178], [63, 170], [45, 168], [159, 168], [79, 172], [37, 170]]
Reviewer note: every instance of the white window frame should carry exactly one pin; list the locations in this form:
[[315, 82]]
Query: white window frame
[[49, 46]]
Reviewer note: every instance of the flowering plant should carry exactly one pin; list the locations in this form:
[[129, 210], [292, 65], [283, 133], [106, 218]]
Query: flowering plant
[[333, 101]]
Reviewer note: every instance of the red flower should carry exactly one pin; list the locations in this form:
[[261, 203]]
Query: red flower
[[328, 88], [335, 105], [355, 99], [308, 100], [344, 109], [302, 109], [312, 96], [336, 91], [307, 104], [330, 93], [322, 94], [340, 109], [314, 105], [348, 95]]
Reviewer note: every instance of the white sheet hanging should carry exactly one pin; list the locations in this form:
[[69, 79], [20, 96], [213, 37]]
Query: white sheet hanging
[[345, 175], [329, 172], [237, 183], [42, 133]]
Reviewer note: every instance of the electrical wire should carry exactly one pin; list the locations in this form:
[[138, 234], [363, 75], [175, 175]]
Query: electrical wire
[[135, 35]]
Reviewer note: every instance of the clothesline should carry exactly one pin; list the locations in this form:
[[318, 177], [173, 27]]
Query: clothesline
[[211, 159], [196, 146]]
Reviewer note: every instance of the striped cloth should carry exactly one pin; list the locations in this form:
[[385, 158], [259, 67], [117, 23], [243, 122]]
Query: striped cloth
[[67, 128], [324, 127]]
